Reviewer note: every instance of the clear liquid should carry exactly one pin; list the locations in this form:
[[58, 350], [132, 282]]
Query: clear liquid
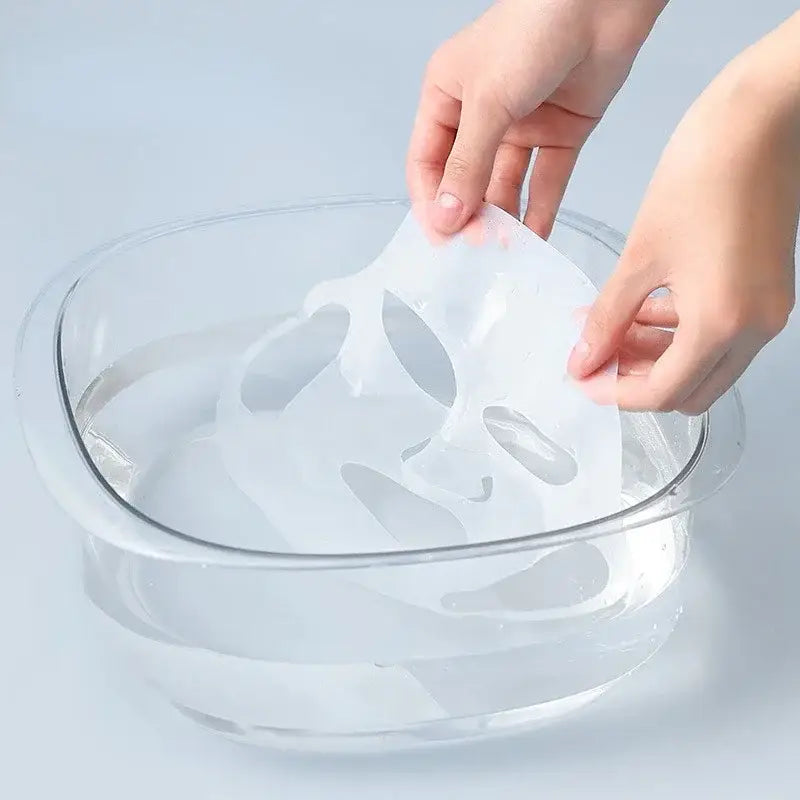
[[258, 653], [289, 652]]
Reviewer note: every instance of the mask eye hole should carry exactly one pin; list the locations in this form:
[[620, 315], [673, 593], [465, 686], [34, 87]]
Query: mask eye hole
[[418, 350], [288, 364], [525, 443]]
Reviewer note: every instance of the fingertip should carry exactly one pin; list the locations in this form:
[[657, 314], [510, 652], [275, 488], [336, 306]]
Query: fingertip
[[423, 213], [542, 226], [600, 388], [579, 362], [580, 315]]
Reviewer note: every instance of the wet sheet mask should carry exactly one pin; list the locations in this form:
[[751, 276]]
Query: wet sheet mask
[[424, 401]]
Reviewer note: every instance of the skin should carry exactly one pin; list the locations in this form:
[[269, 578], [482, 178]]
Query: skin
[[717, 228], [527, 74], [718, 223]]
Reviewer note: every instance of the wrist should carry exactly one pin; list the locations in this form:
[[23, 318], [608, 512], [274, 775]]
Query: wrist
[[626, 24]]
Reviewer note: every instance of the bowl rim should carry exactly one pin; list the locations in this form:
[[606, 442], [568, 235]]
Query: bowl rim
[[666, 502]]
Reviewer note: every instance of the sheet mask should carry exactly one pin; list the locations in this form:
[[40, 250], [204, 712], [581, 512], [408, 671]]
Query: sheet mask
[[424, 402]]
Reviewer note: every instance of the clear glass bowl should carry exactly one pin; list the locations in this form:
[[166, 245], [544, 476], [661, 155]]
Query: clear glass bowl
[[119, 366]]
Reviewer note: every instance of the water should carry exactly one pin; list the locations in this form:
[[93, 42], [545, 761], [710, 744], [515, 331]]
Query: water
[[263, 654], [266, 655], [426, 651]]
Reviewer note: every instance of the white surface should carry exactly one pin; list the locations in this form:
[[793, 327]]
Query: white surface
[[118, 115]]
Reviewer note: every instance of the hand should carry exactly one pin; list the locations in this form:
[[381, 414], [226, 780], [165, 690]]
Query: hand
[[527, 74], [717, 228]]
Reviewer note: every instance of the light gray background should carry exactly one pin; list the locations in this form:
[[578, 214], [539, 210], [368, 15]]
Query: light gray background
[[117, 115]]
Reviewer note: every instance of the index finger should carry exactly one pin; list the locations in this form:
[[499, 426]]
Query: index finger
[[431, 142]]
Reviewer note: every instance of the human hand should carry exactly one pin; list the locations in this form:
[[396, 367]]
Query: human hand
[[527, 74], [717, 228]]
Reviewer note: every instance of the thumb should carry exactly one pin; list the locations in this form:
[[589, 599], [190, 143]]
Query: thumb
[[610, 317], [469, 167]]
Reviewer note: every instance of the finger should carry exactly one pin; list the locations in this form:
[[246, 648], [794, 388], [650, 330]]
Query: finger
[[431, 141], [676, 375], [610, 317], [553, 126], [475, 231], [600, 387], [469, 166], [642, 341], [640, 350], [651, 332], [638, 354], [658, 311], [552, 169], [723, 376], [508, 175], [633, 365]]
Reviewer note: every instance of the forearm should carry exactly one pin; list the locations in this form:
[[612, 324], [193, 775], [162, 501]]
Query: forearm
[[767, 74]]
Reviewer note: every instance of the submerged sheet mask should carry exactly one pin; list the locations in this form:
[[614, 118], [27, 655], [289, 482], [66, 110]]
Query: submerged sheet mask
[[423, 401]]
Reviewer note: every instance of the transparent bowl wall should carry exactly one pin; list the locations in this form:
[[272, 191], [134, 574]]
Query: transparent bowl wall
[[119, 366]]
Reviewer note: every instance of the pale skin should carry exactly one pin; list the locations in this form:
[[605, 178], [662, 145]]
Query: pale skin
[[718, 223]]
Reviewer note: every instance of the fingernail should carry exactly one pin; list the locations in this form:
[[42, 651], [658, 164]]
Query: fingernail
[[581, 349], [449, 208], [577, 358], [580, 315], [449, 201]]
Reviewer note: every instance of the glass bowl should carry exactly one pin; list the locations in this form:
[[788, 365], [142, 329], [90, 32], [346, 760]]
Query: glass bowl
[[119, 365]]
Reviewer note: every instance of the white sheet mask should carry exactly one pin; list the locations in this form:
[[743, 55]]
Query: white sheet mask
[[424, 401]]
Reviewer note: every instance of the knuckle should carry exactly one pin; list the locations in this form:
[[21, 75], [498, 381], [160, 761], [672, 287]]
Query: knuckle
[[638, 256], [459, 167], [491, 100], [487, 96], [766, 317], [440, 61], [506, 175], [724, 318], [774, 316]]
